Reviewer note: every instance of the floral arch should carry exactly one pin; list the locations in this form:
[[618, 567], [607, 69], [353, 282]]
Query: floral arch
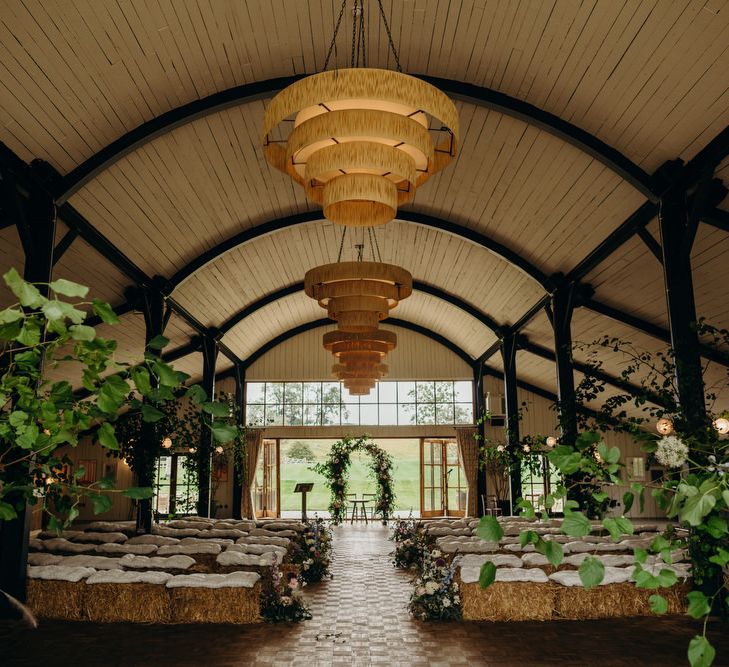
[[335, 470]]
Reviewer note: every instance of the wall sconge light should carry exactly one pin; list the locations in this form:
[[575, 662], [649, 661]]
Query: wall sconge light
[[219, 449], [722, 425], [664, 426], [167, 443], [551, 441]]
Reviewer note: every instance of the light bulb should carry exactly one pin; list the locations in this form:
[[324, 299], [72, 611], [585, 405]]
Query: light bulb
[[192, 450], [722, 425], [167, 442], [219, 449], [664, 426], [551, 441]]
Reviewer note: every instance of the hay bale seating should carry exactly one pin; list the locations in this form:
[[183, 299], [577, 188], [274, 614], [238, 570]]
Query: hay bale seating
[[100, 537], [126, 548], [62, 545], [179, 563], [127, 527], [116, 596], [215, 598], [204, 554], [57, 592], [157, 540]]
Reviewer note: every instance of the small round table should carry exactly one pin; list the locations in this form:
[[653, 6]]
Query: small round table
[[359, 510]]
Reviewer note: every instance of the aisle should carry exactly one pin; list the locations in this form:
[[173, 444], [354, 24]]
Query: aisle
[[360, 618]]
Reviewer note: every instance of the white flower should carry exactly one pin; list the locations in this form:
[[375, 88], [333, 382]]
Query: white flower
[[446, 602], [431, 587], [671, 451], [527, 448], [501, 448], [436, 553], [285, 600]]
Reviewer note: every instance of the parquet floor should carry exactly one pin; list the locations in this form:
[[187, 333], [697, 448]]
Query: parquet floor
[[359, 619]]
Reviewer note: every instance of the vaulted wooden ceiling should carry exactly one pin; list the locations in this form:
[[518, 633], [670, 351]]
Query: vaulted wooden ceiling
[[566, 108]]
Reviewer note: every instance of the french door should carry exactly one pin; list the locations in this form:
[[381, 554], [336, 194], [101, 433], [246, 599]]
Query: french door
[[266, 487], [442, 483], [175, 487]]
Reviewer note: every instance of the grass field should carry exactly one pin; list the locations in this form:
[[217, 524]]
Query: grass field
[[406, 475]]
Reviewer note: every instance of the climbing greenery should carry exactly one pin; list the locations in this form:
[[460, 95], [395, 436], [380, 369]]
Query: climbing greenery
[[46, 332], [335, 469]]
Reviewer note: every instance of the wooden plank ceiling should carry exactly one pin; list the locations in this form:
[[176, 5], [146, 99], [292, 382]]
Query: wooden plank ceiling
[[647, 77]]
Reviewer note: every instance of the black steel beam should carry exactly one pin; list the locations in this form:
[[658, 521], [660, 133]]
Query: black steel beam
[[239, 374], [716, 217], [64, 244], [307, 217], [479, 418], [207, 441], [508, 356], [651, 243], [510, 106]]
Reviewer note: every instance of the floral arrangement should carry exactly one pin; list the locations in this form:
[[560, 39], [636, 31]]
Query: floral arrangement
[[312, 551], [436, 596], [412, 542], [334, 470], [282, 600]]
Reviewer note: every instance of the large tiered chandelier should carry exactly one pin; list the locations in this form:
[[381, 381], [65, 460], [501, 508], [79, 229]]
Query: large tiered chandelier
[[363, 139]]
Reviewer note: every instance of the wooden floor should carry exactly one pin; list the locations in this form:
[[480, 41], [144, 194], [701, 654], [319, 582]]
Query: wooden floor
[[359, 619]]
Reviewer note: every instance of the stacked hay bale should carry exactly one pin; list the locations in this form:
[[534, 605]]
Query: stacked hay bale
[[56, 591], [215, 598]]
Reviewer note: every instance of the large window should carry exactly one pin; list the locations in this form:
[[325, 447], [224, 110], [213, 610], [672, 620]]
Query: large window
[[330, 404]]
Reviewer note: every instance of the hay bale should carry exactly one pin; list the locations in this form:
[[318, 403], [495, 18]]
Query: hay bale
[[135, 597], [62, 545], [215, 605], [508, 601], [99, 537], [615, 601], [156, 540], [60, 600]]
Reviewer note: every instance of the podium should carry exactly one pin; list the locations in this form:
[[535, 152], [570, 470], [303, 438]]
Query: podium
[[303, 489]]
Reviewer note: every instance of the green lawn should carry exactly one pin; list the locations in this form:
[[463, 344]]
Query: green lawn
[[406, 475]]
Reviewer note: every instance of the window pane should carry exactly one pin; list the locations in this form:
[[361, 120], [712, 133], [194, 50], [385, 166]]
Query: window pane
[[463, 392], [388, 414], [330, 415], [348, 398], [292, 415], [425, 392], [312, 415], [350, 414], [368, 414], [254, 415], [388, 392], [331, 393], [405, 414], [293, 392], [371, 397], [443, 392], [312, 392], [406, 392], [464, 413], [255, 392], [274, 392], [274, 415], [444, 413], [426, 413]]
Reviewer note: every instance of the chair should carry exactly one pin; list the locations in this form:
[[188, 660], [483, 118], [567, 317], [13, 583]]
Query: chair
[[358, 508], [490, 506], [370, 497]]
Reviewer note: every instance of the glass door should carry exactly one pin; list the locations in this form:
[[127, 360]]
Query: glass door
[[176, 488], [266, 489], [442, 482]]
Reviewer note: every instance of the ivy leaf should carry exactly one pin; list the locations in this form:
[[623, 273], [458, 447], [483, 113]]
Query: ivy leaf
[[10, 315], [106, 482], [698, 606], [217, 409], [527, 509], [611, 455], [700, 652], [716, 526], [554, 552], [600, 496], [487, 575], [158, 342], [107, 437], [69, 288], [82, 332], [489, 529], [196, 394], [150, 414], [576, 524], [100, 503], [139, 492], [104, 311], [725, 496], [628, 499], [721, 557], [167, 375], [641, 555], [29, 333], [528, 537], [140, 377], [658, 604], [697, 507], [224, 432], [592, 572], [27, 294], [7, 512]]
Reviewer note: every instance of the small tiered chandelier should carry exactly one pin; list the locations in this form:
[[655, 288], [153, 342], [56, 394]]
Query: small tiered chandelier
[[362, 139]]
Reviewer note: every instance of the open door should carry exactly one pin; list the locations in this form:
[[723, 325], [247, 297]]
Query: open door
[[176, 487], [442, 483], [266, 488]]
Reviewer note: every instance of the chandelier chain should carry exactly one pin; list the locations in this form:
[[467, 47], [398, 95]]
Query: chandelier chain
[[389, 36], [334, 36], [354, 31], [341, 245]]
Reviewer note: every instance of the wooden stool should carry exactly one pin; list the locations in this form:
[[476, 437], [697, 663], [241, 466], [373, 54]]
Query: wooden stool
[[358, 510]]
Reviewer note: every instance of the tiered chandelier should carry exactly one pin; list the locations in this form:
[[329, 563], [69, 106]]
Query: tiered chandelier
[[362, 141]]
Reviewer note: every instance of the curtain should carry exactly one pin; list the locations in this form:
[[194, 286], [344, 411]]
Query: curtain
[[253, 448], [468, 447]]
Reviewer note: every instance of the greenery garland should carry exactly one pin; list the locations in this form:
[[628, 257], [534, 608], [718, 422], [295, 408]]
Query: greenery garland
[[335, 468]]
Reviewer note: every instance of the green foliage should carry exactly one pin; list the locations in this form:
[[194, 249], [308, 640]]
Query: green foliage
[[300, 450], [592, 572], [658, 604], [487, 574], [489, 529], [700, 652]]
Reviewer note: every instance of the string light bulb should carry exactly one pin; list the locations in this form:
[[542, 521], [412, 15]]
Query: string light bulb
[[722, 425], [167, 443], [219, 449], [551, 441], [664, 426]]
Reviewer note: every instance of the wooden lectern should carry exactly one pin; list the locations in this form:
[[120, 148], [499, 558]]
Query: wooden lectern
[[303, 489]]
